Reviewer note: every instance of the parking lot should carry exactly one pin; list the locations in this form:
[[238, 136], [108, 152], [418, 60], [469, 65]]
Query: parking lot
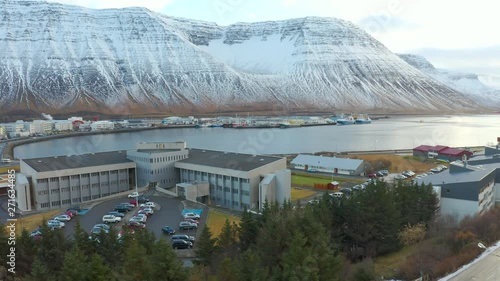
[[167, 212]]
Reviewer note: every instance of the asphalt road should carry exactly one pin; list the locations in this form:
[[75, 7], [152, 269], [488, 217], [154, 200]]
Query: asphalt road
[[169, 213], [486, 269]]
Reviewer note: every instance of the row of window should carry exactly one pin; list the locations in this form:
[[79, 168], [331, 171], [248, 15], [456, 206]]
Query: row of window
[[77, 188], [76, 177]]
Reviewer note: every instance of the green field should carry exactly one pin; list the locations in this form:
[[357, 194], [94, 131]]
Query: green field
[[216, 221], [309, 179]]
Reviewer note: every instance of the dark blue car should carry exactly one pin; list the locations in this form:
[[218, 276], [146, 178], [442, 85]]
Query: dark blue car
[[168, 230]]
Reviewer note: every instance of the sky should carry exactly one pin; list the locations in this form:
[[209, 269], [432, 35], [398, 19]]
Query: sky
[[458, 35]]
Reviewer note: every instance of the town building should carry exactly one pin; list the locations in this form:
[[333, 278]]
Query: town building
[[441, 152], [155, 162], [335, 165], [101, 125], [63, 125], [236, 180], [470, 186], [60, 181]]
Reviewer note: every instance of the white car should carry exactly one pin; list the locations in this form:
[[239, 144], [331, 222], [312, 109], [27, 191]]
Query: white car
[[111, 218], [133, 195], [63, 218], [140, 218], [151, 205], [192, 216], [400, 177], [55, 224]]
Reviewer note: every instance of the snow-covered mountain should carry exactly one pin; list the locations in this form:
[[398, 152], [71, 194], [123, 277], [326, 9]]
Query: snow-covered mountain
[[467, 83], [61, 58]]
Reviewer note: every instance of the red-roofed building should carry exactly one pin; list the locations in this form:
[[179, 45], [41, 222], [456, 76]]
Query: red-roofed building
[[441, 152]]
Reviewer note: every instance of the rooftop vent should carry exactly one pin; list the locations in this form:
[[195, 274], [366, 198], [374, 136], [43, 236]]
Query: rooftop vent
[[55, 157], [261, 159], [39, 161], [203, 151]]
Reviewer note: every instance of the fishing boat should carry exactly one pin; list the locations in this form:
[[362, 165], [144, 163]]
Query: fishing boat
[[363, 119], [349, 120]]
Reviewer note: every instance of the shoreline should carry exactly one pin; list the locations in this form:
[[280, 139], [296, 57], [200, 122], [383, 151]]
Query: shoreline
[[10, 145]]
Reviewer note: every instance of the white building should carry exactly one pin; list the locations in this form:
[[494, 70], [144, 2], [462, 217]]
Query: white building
[[43, 126], [102, 125], [15, 129], [469, 187], [236, 180], [63, 125], [343, 166]]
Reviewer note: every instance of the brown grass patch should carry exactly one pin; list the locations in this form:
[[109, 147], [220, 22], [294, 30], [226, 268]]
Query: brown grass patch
[[33, 221], [298, 194], [398, 163], [217, 219]]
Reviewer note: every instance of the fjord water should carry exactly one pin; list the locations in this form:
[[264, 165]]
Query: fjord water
[[403, 132]]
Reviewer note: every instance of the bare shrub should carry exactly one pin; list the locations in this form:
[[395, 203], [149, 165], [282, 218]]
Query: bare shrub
[[412, 234]]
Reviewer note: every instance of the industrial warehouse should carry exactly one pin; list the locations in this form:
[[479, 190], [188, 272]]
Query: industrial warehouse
[[234, 180]]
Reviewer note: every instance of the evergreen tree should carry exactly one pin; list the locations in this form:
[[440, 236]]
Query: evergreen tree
[[298, 262], [25, 253], [74, 266], [228, 239], [248, 230], [250, 267], [98, 270], [137, 265], [206, 247], [52, 248], [40, 272], [82, 241], [227, 271], [167, 266]]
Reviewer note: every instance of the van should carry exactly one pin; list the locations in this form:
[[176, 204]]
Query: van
[[6, 160]]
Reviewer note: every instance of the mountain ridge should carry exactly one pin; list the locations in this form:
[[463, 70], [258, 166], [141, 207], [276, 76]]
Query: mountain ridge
[[64, 58]]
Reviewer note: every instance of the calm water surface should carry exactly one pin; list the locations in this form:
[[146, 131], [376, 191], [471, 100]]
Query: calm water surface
[[392, 133]]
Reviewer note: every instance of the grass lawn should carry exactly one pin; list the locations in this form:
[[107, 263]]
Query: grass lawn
[[217, 219], [309, 179], [399, 163], [385, 265], [4, 170], [33, 221], [298, 194]]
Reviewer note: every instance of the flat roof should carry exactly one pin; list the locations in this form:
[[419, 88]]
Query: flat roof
[[227, 160], [46, 164], [151, 151], [327, 162]]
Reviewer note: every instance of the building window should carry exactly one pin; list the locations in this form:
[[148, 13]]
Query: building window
[[53, 191], [227, 189], [76, 200], [43, 192], [114, 172], [94, 174], [42, 181], [245, 193], [66, 201], [53, 179], [103, 173], [85, 175], [44, 205], [65, 178], [56, 203], [65, 189], [75, 177], [235, 191]]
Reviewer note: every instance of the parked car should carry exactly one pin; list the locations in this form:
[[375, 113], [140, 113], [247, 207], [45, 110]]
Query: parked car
[[181, 244], [36, 232], [73, 211], [312, 202], [337, 194], [133, 202], [104, 226], [97, 231], [184, 237], [76, 207], [127, 204], [116, 214], [384, 172], [55, 224], [111, 219], [192, 221], [133, 195], [63, 218], [312, 170], [443, 167], [183, 225], [400, 177], [122, 209], [408, 174], [147, 211], [136, 225], [142, 199], [436, 170], [143, 217], [69, 214], [151, 205], [372, 176], [380, 174], [346, 190], [168, 230], [191, 216], [430, 173]]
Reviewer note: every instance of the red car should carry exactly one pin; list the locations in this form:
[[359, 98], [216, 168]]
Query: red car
[[69, 214], [136, 225], [133, 202], [192, 221], [372, 176]]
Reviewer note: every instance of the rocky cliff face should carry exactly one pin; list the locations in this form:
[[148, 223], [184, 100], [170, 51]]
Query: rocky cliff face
[[466, 83], [60, 58]]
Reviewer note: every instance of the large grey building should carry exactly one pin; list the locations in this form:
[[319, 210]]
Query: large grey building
[[155, 162], [237, 180], [61, 181], [469, 187]]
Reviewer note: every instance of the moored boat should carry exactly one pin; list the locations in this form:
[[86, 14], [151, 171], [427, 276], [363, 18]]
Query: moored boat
[[349, 120], [363, 119]]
